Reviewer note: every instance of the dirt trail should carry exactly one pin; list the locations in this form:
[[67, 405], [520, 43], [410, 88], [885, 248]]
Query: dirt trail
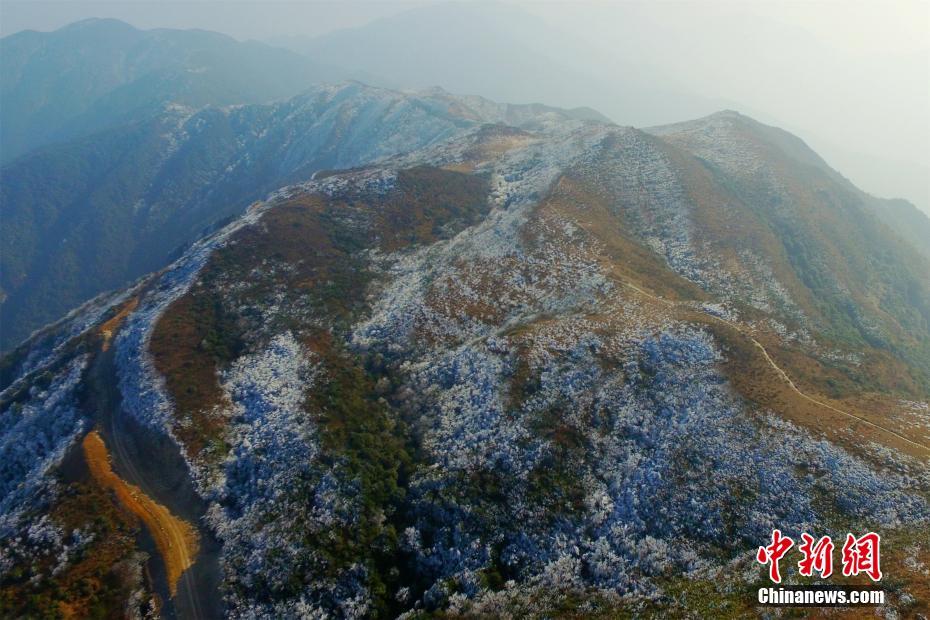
[[781, 373], [111, 326], [151, 466], [176, 540]]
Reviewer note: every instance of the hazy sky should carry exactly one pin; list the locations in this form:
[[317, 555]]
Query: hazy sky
[[852, 78], [242, 20], [856, 27]]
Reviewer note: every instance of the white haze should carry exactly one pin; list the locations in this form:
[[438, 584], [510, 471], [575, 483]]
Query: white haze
[[852, 79]]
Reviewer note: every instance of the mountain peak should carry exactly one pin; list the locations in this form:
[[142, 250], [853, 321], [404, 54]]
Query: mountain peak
[[99, 24], [727, 113], [733, 140]]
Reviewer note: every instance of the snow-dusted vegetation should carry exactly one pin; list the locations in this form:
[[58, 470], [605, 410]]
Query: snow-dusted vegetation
[[519, 394], [275, 493], [608, 478], [35, 433], [141, 388]]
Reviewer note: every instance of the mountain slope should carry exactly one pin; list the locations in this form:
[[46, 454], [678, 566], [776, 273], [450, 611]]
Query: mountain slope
[[912, 224], [101, 73], [95, 213], [701, 138], [848, 275], [504, 374]]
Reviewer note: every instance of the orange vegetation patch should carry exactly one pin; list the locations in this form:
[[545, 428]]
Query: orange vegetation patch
[[175, 539], [109, 328], [190, 342], [310, 250], [494, 141], [463, 167], [622, 257], [765, 372]]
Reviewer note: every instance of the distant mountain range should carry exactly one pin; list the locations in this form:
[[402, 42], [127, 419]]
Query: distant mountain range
[[504, 53], [102, 73], [635, 64], [97, 212]]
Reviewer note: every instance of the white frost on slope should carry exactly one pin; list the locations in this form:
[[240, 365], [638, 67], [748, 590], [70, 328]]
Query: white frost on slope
[[48, 344], [275, 494], [719, 138], [518, 181], [142, 388], [34, 436]]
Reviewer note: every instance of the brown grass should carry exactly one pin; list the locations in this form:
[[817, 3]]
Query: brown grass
[[754, 378], [622, 256], [179, 346], [320, 240], [754, 361]]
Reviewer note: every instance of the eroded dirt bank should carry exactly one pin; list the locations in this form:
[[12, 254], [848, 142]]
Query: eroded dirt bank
[[176, 540], [149, 466]]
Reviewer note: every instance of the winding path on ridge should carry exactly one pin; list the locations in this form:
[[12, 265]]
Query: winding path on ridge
[[781, 373], [154, 467]]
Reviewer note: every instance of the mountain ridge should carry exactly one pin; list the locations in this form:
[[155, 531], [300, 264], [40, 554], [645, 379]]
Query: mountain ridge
[[900, 215], [76, 80], [507, 337], [154, 185]]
